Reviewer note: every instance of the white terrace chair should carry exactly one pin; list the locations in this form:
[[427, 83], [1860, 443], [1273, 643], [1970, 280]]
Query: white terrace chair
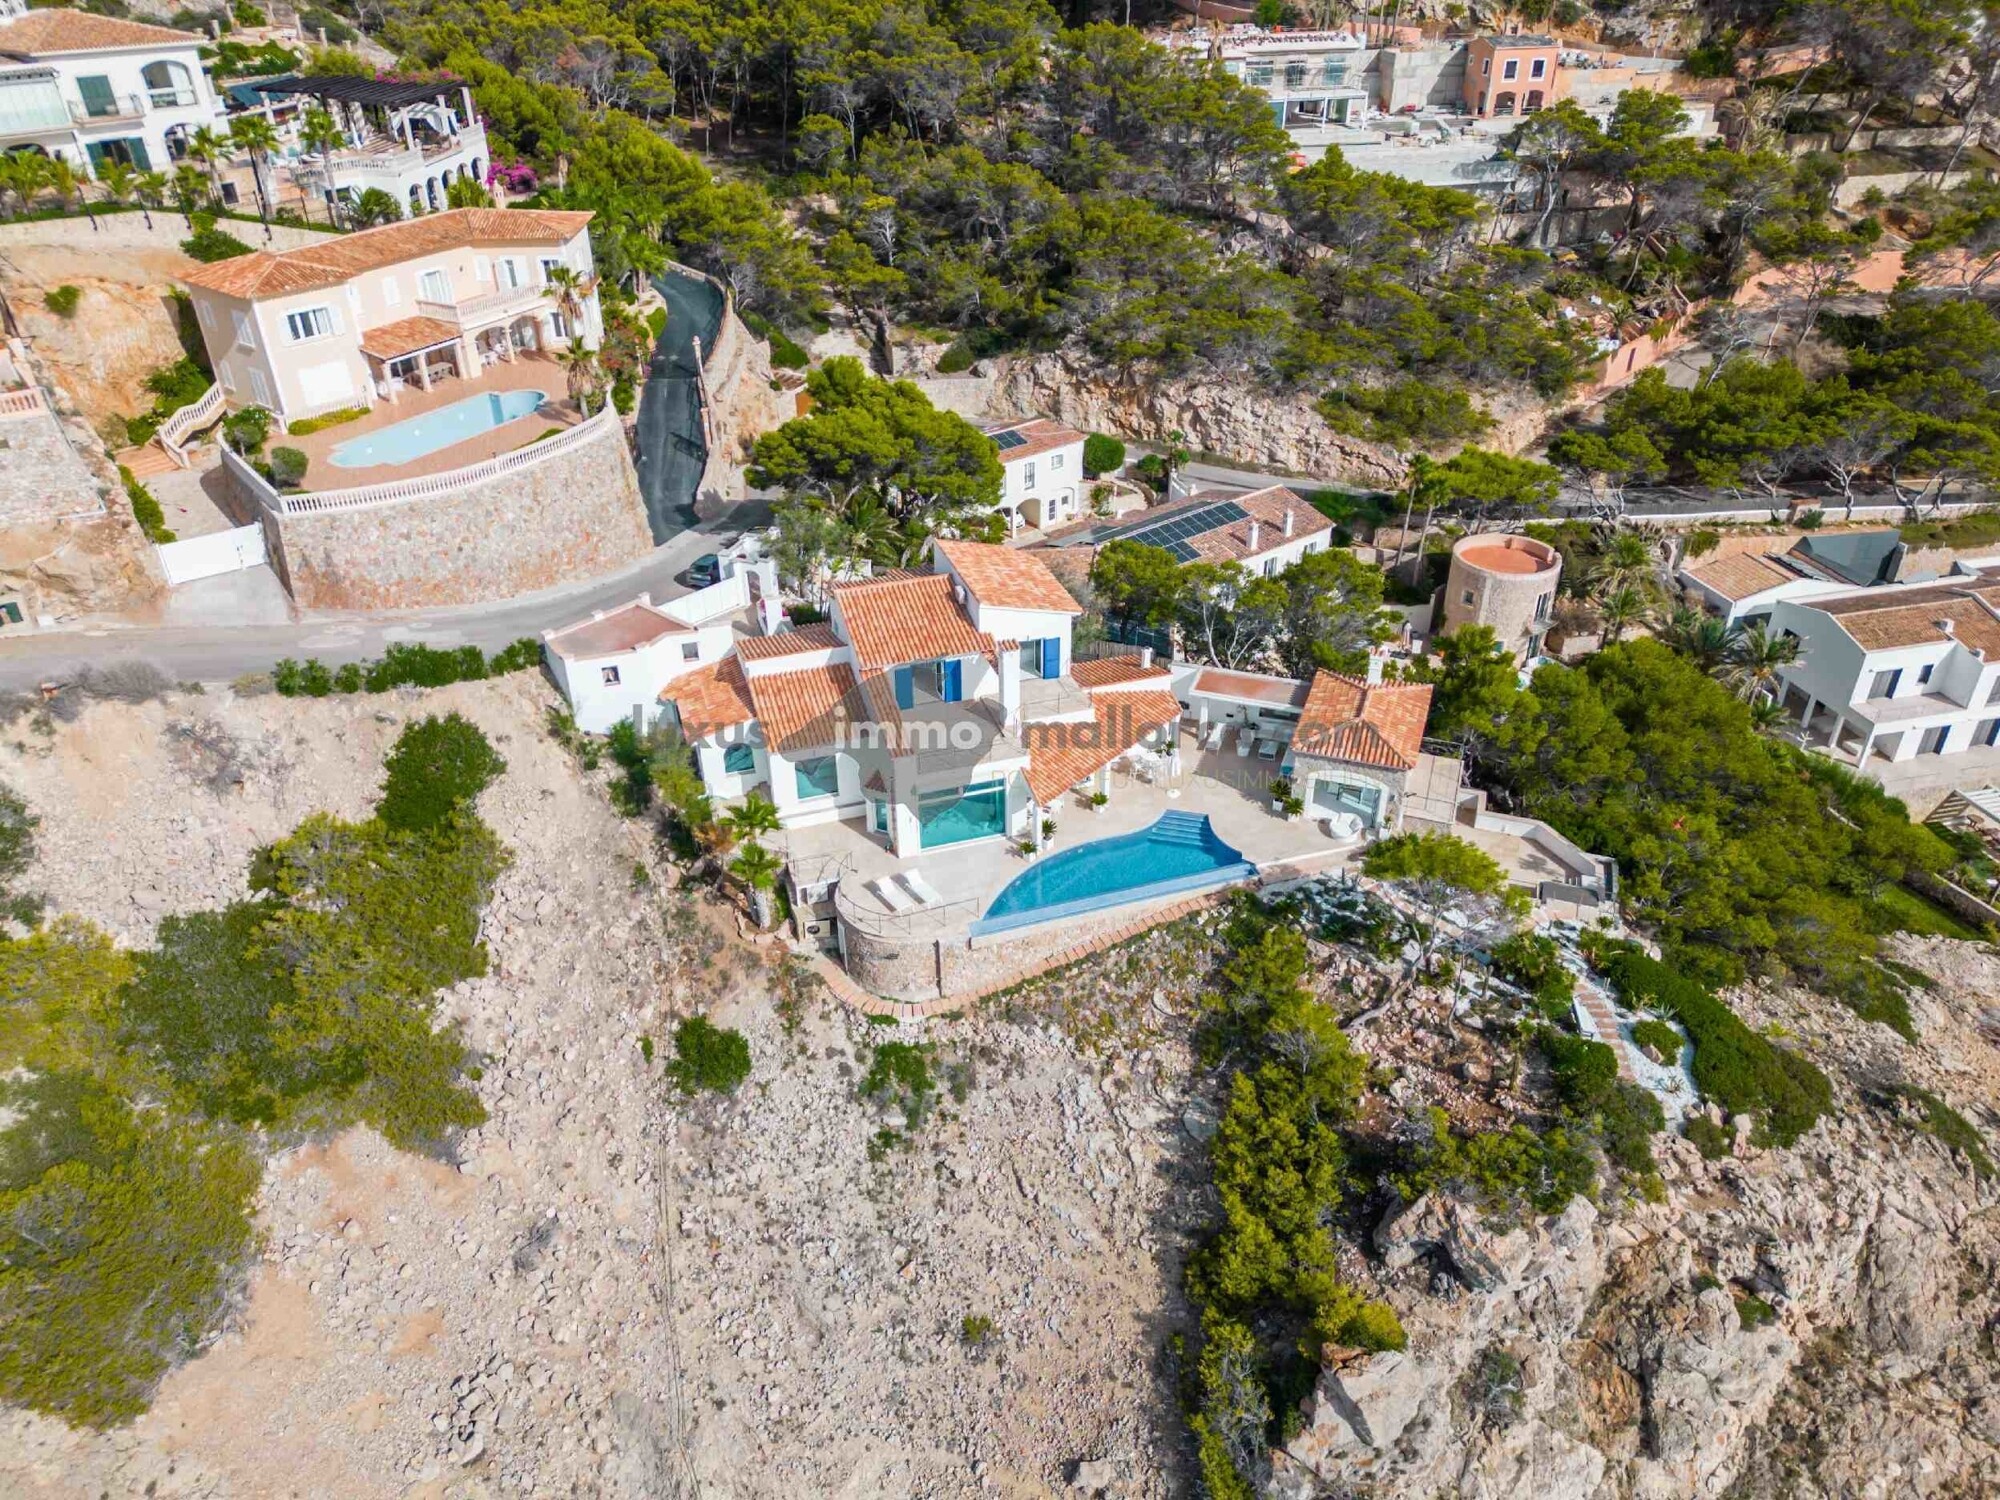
[[926, 893], [893, 895]]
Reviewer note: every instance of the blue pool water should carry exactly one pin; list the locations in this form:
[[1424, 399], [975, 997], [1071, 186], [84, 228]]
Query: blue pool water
[[411, 439], [1180, 852]]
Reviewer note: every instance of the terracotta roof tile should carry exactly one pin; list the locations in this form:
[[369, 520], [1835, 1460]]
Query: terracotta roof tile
[[334, 260], [407, 336], [906, 619], [626, 628], [711, 698], [1379, 724], [41, 32], [1741, 576], [819, 637], [1038, 435], [1108, 671], [793, 707], [1007, 577], [1061, 754]]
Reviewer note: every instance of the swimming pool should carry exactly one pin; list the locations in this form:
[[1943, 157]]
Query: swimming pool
[[1180, 852], [403, 441]]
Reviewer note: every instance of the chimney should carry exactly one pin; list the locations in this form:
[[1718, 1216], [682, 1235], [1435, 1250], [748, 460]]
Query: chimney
[[1948, 626], [1288, 520], [1253, 538], [1145, 656]]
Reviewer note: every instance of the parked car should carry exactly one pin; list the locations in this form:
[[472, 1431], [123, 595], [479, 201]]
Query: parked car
[[705, 570]]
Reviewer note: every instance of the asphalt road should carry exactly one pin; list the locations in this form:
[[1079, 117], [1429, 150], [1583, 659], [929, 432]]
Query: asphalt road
[[221, 653]]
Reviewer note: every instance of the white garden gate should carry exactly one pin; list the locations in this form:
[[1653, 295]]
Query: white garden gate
[[218, 552]]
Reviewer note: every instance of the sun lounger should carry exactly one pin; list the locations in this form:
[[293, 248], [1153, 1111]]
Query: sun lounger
[[1215, 734], [1267, 749], [893, 895], [1245, 741], [926, 893]]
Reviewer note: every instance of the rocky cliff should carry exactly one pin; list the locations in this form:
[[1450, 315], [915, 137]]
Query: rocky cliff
[[1625, 1350], [1238, 420]]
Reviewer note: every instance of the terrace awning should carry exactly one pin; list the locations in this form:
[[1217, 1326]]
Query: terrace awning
[[407, 336]]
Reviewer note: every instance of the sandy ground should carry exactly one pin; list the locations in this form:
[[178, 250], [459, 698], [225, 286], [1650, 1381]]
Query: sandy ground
[[612, 1291]]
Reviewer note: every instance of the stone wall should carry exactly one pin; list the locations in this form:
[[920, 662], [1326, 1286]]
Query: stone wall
[[1239, 420], [571, 517], [742, 406], [128, 231]]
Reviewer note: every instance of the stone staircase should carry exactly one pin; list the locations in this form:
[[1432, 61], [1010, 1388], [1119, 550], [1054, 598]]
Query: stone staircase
[[146, 462]]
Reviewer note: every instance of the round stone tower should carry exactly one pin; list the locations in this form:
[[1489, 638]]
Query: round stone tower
[[1507, 582]]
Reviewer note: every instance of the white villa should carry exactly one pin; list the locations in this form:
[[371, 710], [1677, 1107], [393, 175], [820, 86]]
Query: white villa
[[359, 319], [1745, 584], [94, 89], [1892, 674], [1042, 481], [932, 709], [620, 660], [412, 140]]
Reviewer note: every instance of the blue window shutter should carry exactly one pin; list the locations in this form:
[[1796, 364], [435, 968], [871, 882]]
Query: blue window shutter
[[951, 678], [906, 687], [1052, 662]]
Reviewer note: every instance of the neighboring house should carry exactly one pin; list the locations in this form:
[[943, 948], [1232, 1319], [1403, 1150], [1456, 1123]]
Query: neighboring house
[[1744, 586], [95, 89], [1311, 77], [1356, 744], [1896, 672], [932, 709], [1511, 75], [1041, 464], [355, 319], [1264, 531], [619, 660], [411, 140], [1507, 582]]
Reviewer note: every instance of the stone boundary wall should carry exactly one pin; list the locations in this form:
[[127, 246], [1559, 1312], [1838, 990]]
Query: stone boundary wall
[[575, 516], [128, 231]]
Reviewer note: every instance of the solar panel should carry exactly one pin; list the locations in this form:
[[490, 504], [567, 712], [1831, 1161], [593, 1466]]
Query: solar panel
[[1175, 533], [1008, 440]]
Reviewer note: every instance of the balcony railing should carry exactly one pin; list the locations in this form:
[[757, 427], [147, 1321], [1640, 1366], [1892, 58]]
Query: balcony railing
[[475, 312], [128, 107], [173, 98]]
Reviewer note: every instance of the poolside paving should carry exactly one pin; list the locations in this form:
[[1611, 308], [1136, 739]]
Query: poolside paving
[[530, 372]]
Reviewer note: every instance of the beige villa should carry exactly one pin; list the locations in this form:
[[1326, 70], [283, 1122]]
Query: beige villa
[[364, 318]]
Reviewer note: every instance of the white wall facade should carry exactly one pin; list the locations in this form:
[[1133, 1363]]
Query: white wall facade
[[1045, 490], [135, 103]]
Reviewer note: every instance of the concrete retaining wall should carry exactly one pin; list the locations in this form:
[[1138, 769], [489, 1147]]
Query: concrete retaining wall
[[576, 515]]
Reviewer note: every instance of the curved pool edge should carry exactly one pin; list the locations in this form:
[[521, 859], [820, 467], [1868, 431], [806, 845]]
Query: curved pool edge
[[333, 459], [1179, 885]]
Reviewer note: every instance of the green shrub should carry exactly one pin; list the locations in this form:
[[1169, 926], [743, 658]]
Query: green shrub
[[1713, 1141], [957, 358], [145, 509], [208, 244], [1733, 1066], [975, 1329], [1755, 1312], [327, 419], [1408, 410], [1534, 963], [785, 354], [899, 1074], [347, 677], [1660, 1037], [247, 430], [17, 854], [288, 467], [708, 1058], [1500, 1170], [417, 665], [1102, 455], [62, 300], [656, 322], [1948, 1125], [518, 656], [632, 793], [624, 395], [1584, 1071], [437, 768]]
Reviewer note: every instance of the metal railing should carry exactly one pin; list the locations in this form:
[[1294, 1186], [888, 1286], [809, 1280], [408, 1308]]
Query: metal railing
[[131, 107], [27, 403], [606, 424], [486, 307]]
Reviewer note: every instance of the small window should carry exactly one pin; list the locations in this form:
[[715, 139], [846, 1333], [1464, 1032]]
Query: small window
[[392, 294], [1260, 75], [434, 286], [482, 269], [1486, 67], [228, 379], [550, 263], [610, 676], [246, 331], [559, 325], [1333, 72], [739, 760], [260, 391], [1538, 68], [691, 651], [1055, 463], [1511, 68], [202, 314], [818, 777], [507, 272], [1295, 75], [1466, 597], [1925, 675], [1028, 475], [309, 323]]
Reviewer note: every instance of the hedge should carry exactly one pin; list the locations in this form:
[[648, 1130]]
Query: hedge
[[145, 509], [1733, 1066], [327, 419], [401, 666]]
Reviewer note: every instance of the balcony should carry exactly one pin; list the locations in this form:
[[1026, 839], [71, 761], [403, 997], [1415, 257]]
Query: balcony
[[483, 311], [1045, 698], [173, 98], [119, 109]]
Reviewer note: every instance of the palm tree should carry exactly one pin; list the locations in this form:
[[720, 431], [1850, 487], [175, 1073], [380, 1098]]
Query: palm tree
[[210, 147], [23, 175], [256, 135], [757, 815], [319, 131], [189, 189], [1758, 661], [871, 528], [1767, 714], [63, 182], [565, 289], [119, 182], [580, 372], [1622, 608], [1627, 560], [151, 191], [1704, 639], [757, 867]]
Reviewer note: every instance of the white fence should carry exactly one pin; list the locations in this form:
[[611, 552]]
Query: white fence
[[24, 403], [207, 556], [711, 603], [607, 423]]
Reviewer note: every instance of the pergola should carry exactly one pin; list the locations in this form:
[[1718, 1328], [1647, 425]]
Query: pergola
[[403, 106]]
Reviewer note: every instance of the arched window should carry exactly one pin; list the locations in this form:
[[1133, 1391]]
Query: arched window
[[1503, 102], [168, 84], [1534, 102]]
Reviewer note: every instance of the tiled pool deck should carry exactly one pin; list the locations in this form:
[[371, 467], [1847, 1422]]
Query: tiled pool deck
[[530, 372]]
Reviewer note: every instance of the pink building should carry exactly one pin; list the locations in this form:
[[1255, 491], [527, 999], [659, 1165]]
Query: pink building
[[1512, 75]]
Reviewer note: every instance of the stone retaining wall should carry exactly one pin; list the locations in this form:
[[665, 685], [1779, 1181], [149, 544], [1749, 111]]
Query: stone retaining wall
[[574, 516]]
